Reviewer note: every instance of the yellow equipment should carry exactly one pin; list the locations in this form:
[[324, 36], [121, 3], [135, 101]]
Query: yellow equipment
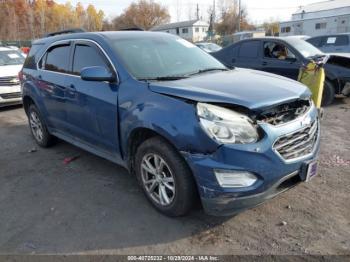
[[313, 76]]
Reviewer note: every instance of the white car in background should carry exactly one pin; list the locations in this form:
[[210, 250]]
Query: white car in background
[[11, 62]]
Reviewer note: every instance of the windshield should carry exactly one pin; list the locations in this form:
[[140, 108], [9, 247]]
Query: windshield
[[305, 48], [11, 57], [163, 56]]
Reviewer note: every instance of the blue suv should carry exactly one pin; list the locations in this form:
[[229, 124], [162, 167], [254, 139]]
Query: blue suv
[[184, 124]]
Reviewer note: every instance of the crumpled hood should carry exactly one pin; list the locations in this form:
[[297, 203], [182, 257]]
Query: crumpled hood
[[248, 88], [10, 70]]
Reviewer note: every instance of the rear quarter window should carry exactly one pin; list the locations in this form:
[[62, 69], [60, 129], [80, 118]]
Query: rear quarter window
[[30, 62]]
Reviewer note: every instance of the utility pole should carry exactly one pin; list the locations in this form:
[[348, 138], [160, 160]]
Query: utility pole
[[214, 12], [197, 11], [239, 16]]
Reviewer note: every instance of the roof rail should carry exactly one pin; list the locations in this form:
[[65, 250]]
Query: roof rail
[[68, 31], [131, 29]]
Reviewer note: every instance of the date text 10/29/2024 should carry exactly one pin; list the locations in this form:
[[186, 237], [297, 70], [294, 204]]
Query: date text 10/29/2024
[[173, 258]]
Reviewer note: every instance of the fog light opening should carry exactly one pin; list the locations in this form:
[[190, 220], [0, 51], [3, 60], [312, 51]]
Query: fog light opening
[[235, 179]]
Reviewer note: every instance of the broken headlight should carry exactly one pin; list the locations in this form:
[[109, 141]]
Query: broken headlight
[[226, 126]]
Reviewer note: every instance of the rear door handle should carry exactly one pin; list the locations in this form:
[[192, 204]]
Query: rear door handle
[[264, 63]]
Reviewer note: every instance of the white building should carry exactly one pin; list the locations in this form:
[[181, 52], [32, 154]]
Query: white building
[[328, 17], [193, 30]]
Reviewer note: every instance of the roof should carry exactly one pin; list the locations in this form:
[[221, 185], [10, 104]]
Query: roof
[[100, 35], [177, 24], [322, 6]]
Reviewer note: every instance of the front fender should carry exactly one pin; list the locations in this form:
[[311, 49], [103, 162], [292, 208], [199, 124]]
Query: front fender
[[172, 118]]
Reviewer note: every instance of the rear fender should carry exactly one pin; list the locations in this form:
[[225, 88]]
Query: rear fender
[[29, 89]]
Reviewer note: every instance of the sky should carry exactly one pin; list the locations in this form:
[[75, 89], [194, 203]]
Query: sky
[[258, 10]]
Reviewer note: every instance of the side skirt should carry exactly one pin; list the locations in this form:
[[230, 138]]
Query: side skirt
[[87, 147]]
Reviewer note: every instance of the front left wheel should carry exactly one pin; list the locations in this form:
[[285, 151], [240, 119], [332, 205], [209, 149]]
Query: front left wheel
[[38, 127], [165, 178]]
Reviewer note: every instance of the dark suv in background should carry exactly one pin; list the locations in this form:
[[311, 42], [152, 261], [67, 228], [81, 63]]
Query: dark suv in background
[[339, 43], [285, 56]]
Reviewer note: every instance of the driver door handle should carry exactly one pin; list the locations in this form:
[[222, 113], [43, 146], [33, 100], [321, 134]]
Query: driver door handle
[[71, 87]]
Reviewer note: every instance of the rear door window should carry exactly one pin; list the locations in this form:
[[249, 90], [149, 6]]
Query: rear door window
[[87, 56], [57, 59], [30, 62], [249, 49]]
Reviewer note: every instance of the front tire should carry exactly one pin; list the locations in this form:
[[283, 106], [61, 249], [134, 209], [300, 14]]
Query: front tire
[[165, 178], [38, 128], [328, 93]]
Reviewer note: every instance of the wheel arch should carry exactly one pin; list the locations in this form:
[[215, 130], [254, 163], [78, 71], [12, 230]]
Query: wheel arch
[[136, 137], [335, 84], [27, 101]]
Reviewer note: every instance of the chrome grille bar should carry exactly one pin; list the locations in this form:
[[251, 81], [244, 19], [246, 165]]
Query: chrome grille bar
[[299, 143], [9, 81]]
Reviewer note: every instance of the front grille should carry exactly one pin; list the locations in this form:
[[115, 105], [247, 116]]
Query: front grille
[[11, 95], [299, 143], [9, 81]]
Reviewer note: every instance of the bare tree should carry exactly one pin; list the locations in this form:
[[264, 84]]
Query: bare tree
[[229, 18], [142, 14]]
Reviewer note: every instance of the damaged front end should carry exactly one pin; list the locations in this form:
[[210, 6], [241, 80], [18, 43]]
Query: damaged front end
[[238, 176], [284, 113]]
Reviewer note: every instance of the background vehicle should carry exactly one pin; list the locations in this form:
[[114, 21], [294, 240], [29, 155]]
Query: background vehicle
[[285, 56], [209, 47], [11, 62], [338, 43], [177, 118]]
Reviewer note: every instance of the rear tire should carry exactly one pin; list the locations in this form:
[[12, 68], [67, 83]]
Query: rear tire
[[38, 128], [165, 177], [328, 93]]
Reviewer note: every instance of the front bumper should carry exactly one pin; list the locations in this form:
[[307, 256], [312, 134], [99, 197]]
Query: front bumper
[[275, 175]]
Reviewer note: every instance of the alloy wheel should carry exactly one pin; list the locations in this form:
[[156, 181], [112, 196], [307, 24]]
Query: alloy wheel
[[158, 179], [36, 126]]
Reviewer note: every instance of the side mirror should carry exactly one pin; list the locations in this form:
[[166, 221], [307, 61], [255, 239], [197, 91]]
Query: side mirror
[[97, 73]]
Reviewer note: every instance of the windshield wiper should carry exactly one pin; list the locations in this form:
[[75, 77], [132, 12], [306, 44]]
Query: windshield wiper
[[317, 56], [162, 78], [208, 70]]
